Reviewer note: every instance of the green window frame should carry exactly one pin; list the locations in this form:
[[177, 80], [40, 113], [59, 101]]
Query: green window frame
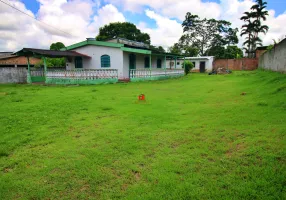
[[105, 61], [147, 62], [159, 63], [78, 62]]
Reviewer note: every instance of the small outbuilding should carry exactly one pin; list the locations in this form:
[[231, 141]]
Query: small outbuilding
[[202, 64]]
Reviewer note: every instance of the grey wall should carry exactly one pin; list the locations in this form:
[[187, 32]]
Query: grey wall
[[13, 75], [274, 59]]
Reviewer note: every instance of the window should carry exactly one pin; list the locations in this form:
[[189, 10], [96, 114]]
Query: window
[[105, 61], [78, 62], [147, 62], [178, 63], [194, 63], [159, 63]]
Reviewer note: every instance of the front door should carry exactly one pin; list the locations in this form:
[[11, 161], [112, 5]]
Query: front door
[[78, 62], [132, 61], [202, 67]]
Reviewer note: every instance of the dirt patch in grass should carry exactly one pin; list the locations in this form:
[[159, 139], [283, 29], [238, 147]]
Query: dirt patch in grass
[[233, 150]]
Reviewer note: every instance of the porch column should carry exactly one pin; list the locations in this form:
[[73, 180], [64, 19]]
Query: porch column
[[45, 68], [29, 79], [45, 65], [184, 62], [175, 62], [165, 65], [150, 64]]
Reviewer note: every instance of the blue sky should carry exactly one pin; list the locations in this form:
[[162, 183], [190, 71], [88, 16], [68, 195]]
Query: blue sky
[[161, 19], [278, 5]]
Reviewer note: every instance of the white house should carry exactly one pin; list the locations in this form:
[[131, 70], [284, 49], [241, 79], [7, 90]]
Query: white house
[[93, 62], [132, 60], [201, 64]]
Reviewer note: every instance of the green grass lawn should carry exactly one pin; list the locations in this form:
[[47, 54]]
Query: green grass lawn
[[196, 137]]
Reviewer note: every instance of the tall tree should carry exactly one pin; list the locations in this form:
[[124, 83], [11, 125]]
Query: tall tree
[[248, 30], [253, 26], [206, 33], [124, 30]]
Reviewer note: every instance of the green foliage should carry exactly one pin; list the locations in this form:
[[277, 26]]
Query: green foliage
[[52, 62], [204, 34], [175, 49], [180, 48], [123, 30], [57, 46], [159, 49], [188, 66], [230, 52], [195, 137], [253, 26]]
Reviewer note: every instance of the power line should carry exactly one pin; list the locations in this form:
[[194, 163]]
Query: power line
[[34, 17]]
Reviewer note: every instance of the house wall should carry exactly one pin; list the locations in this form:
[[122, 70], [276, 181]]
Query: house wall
[[140, 62], [208, 65], [171, 64], [275, 59], [208, 62], [95, 52]]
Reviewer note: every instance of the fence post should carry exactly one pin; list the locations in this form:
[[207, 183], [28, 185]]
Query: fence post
[[165, 65], [29, 78]]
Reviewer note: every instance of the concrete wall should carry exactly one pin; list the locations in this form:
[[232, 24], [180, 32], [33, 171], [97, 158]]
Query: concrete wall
[[275, 59], [95, 52], [236, 64], [13, 75]]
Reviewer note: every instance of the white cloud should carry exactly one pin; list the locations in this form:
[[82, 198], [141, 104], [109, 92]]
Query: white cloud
[[75, 18], [82, 18], [167, 32], [230, 10]]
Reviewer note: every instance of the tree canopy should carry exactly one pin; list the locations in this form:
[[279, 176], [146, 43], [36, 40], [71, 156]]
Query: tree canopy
[[54, 62], [57, 46], [204, 34], [124, 30], [230, 52]]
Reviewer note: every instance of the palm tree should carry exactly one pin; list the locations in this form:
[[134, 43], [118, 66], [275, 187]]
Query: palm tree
[[259, 14], [253, 26], [248, 29]]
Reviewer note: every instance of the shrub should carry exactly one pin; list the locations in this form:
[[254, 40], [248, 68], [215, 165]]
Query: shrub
[[187, 65]]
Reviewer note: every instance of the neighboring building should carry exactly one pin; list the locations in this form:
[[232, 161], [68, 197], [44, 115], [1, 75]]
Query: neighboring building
[[9, 60], [260, 50], [201, 64]]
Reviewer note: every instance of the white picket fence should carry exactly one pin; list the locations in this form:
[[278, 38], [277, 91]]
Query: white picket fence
[[83, 74], [142, 73]]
